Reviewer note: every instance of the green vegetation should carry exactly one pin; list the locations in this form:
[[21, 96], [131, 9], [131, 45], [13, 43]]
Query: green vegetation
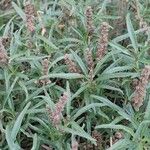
[[74, 75]]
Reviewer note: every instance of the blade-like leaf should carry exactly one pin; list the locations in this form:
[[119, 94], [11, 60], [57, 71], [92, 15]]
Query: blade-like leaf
[[113, 106], [18, 122], [10, 140], [120, 48], [147, 112], [80, 62], [35, 142], [132, 34], [121, 127], [19, 11], [64, 76], [85, 108], [79, 133], [121, 145], [45, 40]]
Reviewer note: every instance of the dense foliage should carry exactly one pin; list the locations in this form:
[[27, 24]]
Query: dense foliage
[[74, 74]]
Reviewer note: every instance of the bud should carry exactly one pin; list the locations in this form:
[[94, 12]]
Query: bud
[[118, 135]]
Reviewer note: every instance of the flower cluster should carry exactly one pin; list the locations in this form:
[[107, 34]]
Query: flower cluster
[[118, 135], [89, 61], [45, 64], [45, 67], [55, 116], [30, 14], [3, 54], [89, 20], [72, 67], [96, 135], [103, 41], [140, 89]]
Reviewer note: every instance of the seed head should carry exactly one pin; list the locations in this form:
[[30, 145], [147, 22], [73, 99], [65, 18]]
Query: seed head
[[89, 20], [30, 14], [45, 64], [71, 65], [96, 135], [118, 135], [140, 89], [89, 61], [103, 41], [55, 116], [3, 54]]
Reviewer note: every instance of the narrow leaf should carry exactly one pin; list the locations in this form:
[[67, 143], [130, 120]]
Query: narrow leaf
[[127, 129], [35, 142], [18, 122], [88, 107], [80, 62], [64, 76], [131, 32], [19, 11]]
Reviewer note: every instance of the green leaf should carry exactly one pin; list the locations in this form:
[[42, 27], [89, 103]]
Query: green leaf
[[10, 141], [86, 108], [117, 120], [113, 106], [142, 126], [145, 61], [29, 58], [35, 142], [9, 92], [80, 129], [106, 76], [18, 122], [79, 133], [121, 127], [47, 41], [121, 145], [103, 60], [70, 40], [147, 112], [56, 61], [41, 122], [8, 27], [125, 36], [132, 34], [120, 48], [68, 105], [22, 85], [118, 69], [64, 76], [80, 62], [19, 11], [111, 88], [80, 90]]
